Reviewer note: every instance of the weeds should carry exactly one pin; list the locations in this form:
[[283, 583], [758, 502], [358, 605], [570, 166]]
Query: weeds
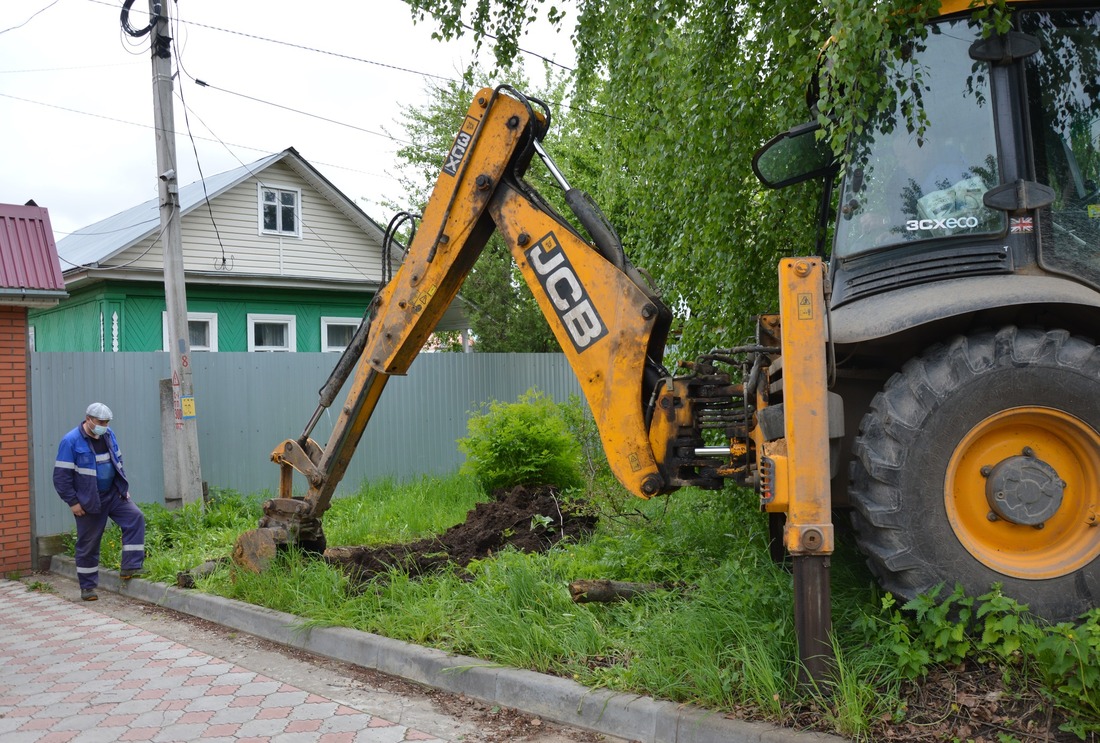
[[40, 586]]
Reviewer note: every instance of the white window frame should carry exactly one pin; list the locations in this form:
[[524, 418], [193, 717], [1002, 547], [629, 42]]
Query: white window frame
[[291, 333], [30, 338], [278, 188], [210, 318], [326, 322]]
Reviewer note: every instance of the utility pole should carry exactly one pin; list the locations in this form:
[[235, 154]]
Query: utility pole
[[183, 475]]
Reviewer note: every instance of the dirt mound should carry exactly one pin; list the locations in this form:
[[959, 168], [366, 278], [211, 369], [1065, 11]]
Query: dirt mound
[[527, 519]]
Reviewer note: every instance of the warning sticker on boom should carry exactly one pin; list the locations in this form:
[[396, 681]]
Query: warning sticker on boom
[[566, 293], [805, 306]]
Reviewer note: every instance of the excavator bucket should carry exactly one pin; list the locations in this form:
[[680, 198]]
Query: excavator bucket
[[256, 548]]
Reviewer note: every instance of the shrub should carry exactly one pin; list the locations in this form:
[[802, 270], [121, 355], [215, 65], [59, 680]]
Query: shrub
[[523, 443], [582, 426]]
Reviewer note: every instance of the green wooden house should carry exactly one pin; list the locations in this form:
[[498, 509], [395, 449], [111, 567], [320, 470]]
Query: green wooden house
[[275, 258]]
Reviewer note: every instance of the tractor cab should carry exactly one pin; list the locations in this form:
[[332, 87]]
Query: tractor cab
[[1002, 180]]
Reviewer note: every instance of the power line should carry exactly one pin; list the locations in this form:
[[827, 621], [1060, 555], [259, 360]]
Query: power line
[[362, 60], [303, 47], [181, 67], [195, 150], [349, 57], [543, 57], [266, 151], [204, 84], [68, 69], [109, 232], [24, 23]]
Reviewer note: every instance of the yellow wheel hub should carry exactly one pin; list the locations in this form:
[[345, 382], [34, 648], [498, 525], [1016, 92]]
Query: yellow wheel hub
[[1022, 492]]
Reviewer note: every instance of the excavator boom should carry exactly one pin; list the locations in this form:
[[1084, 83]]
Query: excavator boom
[[612, 327], [609, 323]]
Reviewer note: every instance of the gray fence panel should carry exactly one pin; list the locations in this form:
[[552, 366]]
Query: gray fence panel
[[247, 403]]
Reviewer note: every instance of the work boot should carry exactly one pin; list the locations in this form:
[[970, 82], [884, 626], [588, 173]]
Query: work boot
[[88, 594], [128, 573]]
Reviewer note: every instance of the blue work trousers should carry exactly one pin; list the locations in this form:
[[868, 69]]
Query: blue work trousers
[[89, 534]]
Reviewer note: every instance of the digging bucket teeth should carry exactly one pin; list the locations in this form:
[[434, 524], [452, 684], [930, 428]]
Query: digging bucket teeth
[[286, 522], [256, 548]]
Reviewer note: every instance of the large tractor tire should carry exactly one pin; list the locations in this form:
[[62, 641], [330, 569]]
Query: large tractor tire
[[979, 463]]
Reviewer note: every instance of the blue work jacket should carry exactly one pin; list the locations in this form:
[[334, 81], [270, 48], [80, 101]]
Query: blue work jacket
[[74, 476]]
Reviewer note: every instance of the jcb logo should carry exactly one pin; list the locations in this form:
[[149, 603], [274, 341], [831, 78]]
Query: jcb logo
[[461, 145], [564, 289]]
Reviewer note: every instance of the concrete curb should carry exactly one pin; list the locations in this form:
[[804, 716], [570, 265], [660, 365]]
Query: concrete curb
[[550, 697]]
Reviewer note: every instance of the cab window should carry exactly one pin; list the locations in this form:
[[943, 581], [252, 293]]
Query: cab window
[[1063, 85], [901, 188]]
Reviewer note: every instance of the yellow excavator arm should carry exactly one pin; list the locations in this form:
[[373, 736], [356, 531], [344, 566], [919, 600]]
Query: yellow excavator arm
[[611, 325]]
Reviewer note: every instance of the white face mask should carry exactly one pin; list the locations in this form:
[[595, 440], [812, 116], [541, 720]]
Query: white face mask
[[99, 430]]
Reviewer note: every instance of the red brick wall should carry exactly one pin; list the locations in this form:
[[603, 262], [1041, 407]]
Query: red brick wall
[[15, 456]]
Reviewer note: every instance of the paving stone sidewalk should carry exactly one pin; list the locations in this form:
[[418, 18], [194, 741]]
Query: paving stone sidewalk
[[69, 674]]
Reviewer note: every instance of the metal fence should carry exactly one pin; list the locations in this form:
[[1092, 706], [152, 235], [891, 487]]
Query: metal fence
[[247, 403]]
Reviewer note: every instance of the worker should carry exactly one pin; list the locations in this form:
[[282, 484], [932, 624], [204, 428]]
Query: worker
[[89, 477]]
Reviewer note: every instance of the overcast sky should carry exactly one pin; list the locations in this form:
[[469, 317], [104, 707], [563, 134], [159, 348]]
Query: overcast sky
[[76, 102]]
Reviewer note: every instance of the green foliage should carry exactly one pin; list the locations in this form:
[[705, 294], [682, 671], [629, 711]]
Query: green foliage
[[522, 443], [601, 488], [503, 314], [851, 704], [39, 586], [387, 512], [670, 101], [949, 630], [1069, 660]]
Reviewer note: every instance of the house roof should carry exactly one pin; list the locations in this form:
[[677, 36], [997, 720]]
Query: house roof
[[30, 274], [83, 252], [89, 246]]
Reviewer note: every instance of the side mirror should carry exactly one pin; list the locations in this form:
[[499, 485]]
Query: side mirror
[[793, 156]]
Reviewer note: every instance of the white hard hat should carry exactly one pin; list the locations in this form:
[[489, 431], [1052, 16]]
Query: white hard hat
[[99, 411]]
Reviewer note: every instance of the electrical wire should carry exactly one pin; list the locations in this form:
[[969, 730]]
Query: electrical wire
[[261, 182], [544, 58], [204, 84], [263, 150], [67, 69], [225, 265], [124, 18], [120, 265], [106, 232], [302, 47], [24, 23], [349, 57]]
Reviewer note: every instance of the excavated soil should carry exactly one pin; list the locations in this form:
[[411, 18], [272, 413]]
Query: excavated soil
[[529, 519]]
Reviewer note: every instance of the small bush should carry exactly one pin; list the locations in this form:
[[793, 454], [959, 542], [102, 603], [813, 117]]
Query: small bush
[[602, 491], [1068, 656], [523, 443]]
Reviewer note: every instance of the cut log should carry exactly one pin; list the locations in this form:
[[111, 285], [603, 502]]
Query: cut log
[[604, 591], [187, 578]]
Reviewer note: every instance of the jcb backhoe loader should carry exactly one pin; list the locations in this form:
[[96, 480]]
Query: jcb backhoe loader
[[937, 378]]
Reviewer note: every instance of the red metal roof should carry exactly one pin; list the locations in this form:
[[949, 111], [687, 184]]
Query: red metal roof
[[28, 254]]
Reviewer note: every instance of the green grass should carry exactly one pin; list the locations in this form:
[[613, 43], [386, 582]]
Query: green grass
[[723, 637]]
